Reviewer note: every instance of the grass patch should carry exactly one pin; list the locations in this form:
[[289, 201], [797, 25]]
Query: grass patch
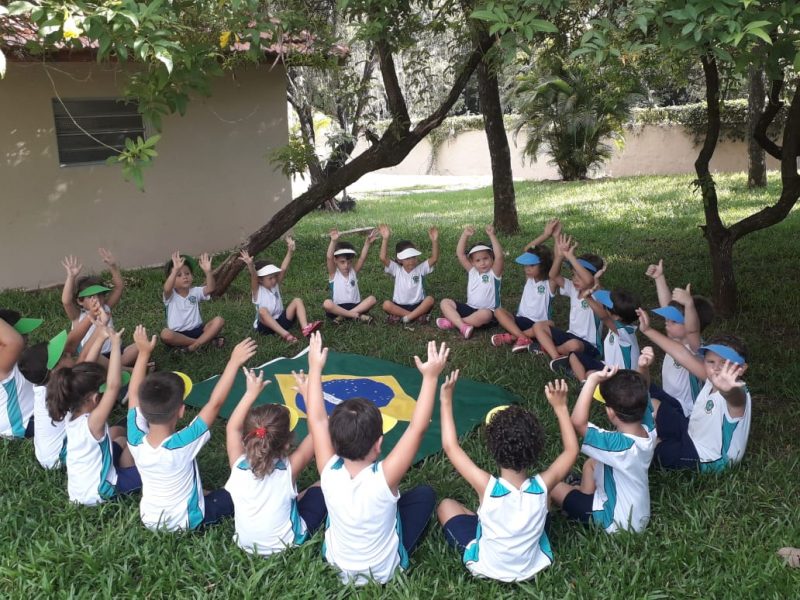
[[712, 536]]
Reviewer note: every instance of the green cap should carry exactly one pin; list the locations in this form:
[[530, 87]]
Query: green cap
[[93, 290], [25, 326], [126, 379], [55, 348]]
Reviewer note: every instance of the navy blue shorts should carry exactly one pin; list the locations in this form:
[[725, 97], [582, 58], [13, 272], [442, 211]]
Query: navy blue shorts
[[524, 323], [578, 506], [460, 530], [589, 362], [312, 508], [562, 337], [675, 449], [415, 508], [282, 320], [219, 505], [29, 430], [344, 305], [465, 310], [128, 478], [192, 333], [409, 307]]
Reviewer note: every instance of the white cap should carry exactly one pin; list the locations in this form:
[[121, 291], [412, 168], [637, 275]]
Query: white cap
[[344, 251], [267, 270], [478, 248], [408, 253]]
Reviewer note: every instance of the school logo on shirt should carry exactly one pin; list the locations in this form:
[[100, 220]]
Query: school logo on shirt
[[709, 406], [611, 338], [540, 289], [352, 283], [485, 278], [192, 299], [584, 304], [415, 279]]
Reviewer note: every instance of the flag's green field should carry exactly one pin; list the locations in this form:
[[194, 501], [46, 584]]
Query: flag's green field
[[710, 537]]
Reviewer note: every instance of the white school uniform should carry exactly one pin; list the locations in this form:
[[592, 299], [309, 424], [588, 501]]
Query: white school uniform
[[535, 301], [511, 544], [361, 537], [679, 383], [49, 437], [483, 289], [265, 510], [172, 493], [106, 344], [183, 313], [16, 404], [409, 287], [582, 320], [622, 494], [344, 290], [91, 476], [621, 348], [719, 438], [270, 300]]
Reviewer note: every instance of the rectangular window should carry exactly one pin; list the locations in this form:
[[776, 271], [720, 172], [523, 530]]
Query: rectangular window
[[108, 121]]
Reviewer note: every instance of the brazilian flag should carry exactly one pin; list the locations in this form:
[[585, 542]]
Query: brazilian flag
[[391, 387]]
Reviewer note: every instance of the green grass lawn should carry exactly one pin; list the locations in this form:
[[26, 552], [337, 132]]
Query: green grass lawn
[[710, 536]]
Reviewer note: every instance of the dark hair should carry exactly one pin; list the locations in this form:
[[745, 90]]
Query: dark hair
[[187, 262], [161, 396], [625, 305], [262, 452], [87, 282], [626, 393], [545, 255], [355, 425], [260, 263], [33, 363], [10, 316], [515, 438], [403, 245], [731, 341], [593, 259], [705, 310], [70, 387], [487, 244], [344, 246]]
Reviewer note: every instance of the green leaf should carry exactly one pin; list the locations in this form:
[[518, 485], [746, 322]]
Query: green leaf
[[641, 21], [688, 27], [483, 15], [20, 8], [131, 17], [760, 33], [2, 65], [797, 61], [542, 25], [165, 57]]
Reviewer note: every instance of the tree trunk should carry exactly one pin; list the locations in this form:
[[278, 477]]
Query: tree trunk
[[723, 276], [756, 159]]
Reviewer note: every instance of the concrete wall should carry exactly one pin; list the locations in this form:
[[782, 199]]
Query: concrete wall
[[210, 186], [651, 150]]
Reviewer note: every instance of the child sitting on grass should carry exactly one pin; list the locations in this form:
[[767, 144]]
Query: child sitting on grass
[[265, 290], [172, 493], [270, 515], [409, 302], [714, 436], [185, 328], [372, 528], [345, 301], [484, 267], [16, 392], [506, 539], [613, 492], [99, 463]]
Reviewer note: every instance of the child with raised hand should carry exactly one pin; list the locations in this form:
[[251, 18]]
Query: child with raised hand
[[265, 291], [185, 327], [506, 539], [172, 494], [685, 316], [583, 335], [345, 301], [613, 492], [484, 267], [714, 436], [372, 527], [84, 298], [270, 515], [409, 301], [16, 392], [534, 306], [99, 464]]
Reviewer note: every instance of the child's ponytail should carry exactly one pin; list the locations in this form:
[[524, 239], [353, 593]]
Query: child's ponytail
[[266, 437], [69, 387]]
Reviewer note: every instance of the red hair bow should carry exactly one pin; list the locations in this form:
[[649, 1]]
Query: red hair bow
[[259, 432]]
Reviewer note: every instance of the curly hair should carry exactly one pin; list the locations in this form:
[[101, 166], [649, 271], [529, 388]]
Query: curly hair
[[262, 452], [515, 438]]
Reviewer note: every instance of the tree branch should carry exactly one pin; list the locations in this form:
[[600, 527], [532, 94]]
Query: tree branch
[[394, 93], [766, 118], [713, 226]]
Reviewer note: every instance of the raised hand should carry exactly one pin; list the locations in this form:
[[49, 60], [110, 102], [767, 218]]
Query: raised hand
[[590, 290], [334, 234], [143, 343], [433, 233], [290, 244], [489, 229], [644, 319], [317, 355], [245, 257], [550, 228], [107, 257], [607, 372], [204, 260], [646, 357], [372, 236], [469, 231], [683, 296], [254, 381], [71, 265], [177, 260], [655, 271], [101, 326], [556, 393], [728, 377], [446, 391], [436, 360], [384, 230], [243, 351], [301, 379], [115, 336]]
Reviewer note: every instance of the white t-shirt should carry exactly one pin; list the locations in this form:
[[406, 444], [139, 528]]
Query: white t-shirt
[[483, 289], [621, 348], [172, 493], [183, 313], [16, 404], [582, 320], [49, 436], [409, 287], [535, 301], [270, 300], [361, 538], [344, 290], [91, 476], [679, 383], [106, 344], [622, 495], [265, 510], [719, 438], [511, 544]]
